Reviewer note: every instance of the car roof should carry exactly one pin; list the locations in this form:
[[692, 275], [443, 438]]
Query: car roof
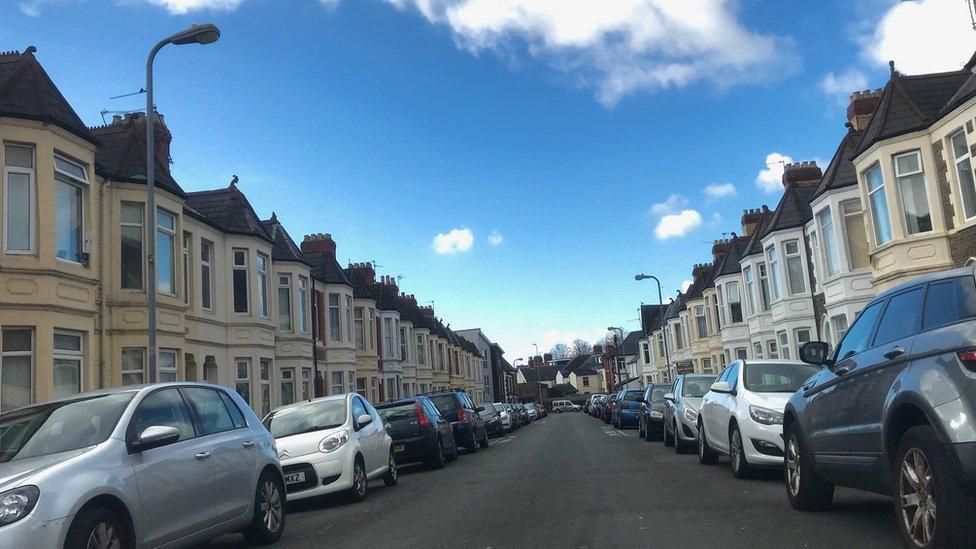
[[923, 279], [398, 402], [319, 399]]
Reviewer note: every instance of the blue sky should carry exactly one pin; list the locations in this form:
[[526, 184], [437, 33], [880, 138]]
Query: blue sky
[[562, 128]]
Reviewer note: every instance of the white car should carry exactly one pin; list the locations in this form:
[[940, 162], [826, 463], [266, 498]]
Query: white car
[[741, 416], [560, 406], [331, 444]]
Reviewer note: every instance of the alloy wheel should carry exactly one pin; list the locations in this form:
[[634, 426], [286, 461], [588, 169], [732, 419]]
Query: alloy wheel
[[917, 498], [359, 480], [104, 536], [393, 468], [793, 466], [271, 505], [736, 449], [701, 443]]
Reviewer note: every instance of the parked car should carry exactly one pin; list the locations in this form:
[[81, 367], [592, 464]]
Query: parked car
[[893, 411], [543, 411], [469, 428], [164, 464], [596, 404], [418, 431], [523, 413], [513, 414], [503, 415], [650, 411], [560, 406], [532, 411], [742, 413], [332, 444], [606, 410], [492, 419], [625, 408], [681, 410]]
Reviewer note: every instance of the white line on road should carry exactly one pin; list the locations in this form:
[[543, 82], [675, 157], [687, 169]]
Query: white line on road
[[622, 433]]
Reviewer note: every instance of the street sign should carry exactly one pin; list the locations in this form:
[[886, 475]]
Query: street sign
[[684, 367]]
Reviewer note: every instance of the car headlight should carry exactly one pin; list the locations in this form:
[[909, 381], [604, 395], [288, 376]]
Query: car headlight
[[333, 442], [765, 415], [691, 415], [657, 414], [17, 503]]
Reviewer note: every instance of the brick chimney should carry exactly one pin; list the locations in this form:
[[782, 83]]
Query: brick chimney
[[751, 219], [598, 349], [862, 107], [364, 270], [319, 242], [719, 248], [699, 270], [161, 132], [802, 174]]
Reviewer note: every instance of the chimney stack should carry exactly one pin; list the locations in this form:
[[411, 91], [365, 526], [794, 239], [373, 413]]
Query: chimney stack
[[365, 270], [319, 242], [719, 248], [862, 107], [751, 219], [802, 174], [161, 133]]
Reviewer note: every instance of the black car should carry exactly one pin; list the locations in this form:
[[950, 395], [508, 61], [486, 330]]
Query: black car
[[523, 414], [514, 414], [419, 431], [650, 414], [469, 428], [492, 419], [892, 411]]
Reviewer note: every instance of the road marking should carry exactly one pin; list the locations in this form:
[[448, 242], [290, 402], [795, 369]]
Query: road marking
[[622, 433]]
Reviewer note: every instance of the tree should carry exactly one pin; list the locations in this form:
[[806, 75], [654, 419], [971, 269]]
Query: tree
[[579, 347], [559, 351]]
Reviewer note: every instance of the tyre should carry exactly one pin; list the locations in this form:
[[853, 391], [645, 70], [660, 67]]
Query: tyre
[[98, 527], [806, 490], [269, 511], [359, 485], [484, 440], [933, 507], [390, 478], [453, 456], [472, 445], [737, 454], [437, 460], [706, 456], [640, 429], [668, 437], [679, 445]]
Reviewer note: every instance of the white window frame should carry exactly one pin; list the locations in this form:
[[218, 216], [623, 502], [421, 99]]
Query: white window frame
[[28, 353], [71, 354], [351, 380], [738, 300], [284, 283], [286, 376], [240, 267], [957, 162], [772, 259], [701, 323], [747, 274], [884, 198], [831, 255], [795, 256], [207, 270], [765, 294], [421, 355], [335, 322], [32, 201], [307, 385], [348, 315], [846, 214], [161, 228], [187, 268], [82, 185], [265, 375], [303, 304], [245, 380], [900, 178], [359, 327], [262, 272], [175, 370], [141, 225], [141, 371]]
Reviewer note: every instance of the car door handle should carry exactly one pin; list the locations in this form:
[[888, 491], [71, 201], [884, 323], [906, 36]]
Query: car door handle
[[202, 455], [894, 353], [248, 444]]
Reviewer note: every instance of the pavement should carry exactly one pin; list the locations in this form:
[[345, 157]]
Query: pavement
[[570, 480]]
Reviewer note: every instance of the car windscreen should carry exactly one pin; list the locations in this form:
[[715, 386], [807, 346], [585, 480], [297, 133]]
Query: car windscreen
[[60, 426], [633, 395], [658, 392], [305, 418], [397, 412], [696, 386], [445, 403], [499, 407], [777, 378]]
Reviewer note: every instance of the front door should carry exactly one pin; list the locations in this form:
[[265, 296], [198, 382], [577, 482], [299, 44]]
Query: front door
[[175, 493]]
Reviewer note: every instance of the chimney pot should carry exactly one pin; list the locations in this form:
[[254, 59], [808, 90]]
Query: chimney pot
[[861, 108], [319, 242]]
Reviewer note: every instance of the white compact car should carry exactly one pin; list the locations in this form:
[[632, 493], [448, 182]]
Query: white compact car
[[331, 444], [560, 406], [742, 414]]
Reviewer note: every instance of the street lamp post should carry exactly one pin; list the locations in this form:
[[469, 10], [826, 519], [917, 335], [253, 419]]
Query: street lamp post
[[538, 372], [664, 334], [515, 364], [196, 34]]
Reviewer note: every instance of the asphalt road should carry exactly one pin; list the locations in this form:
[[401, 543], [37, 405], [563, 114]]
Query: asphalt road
[[572, 481]]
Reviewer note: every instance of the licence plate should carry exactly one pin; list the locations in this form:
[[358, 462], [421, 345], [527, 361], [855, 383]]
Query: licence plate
[[399, 448], [295, 478]]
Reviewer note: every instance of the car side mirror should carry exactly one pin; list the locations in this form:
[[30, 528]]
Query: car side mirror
[[815, 352], [721, 387], [155, 436], [364, 420], [669, 397]]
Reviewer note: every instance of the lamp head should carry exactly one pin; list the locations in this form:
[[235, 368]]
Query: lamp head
[[641, 276], [197, 34]]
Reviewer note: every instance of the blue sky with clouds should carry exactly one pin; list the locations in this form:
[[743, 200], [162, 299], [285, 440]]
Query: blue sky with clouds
[[516, 161]]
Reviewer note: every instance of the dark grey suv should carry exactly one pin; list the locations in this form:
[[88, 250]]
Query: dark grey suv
[[894, 411]]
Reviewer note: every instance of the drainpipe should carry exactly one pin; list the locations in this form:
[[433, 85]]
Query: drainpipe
[[812, 281], [315, 340], [101, 289]]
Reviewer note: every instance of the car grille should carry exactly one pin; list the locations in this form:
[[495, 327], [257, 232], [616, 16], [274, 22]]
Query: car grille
[[310, 477]]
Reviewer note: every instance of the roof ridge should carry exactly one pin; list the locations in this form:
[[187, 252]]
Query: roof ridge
[[896, 80]]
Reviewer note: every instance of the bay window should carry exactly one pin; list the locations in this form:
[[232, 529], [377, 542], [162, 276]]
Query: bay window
[[794, 267], [166, 365], [879, 205], [735, 302], [750, 289], [403, 344], [307, 392], [358, 326], [964, 173], [911, 187], [757, 350], [284, 303], [70, 182], [802, 335], [165, 252], [784, 344], [700, 322], [265, 386], [206, 274], [387, 337], [763, 287], [335, 328], [68, 360], [720, 307], [830, 253], [838, 325], [421, 358], [303, 304], [242, 381], [16, 367], [351, 380], [348, 313], [241, 299], [132, 233], [287, 386], [262, 269], [772, 255], [187, 245], [19, 197], [856, 236], [133, 366]]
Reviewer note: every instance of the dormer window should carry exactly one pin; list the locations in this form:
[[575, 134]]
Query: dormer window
[[911, 187]]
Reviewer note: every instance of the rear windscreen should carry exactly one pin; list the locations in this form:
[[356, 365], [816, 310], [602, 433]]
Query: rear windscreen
[[401, 411], [445, 403], [633, 395]]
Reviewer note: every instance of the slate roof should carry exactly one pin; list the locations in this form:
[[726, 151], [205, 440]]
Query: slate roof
[[675, 307], [575, 364], [631, 344], [121, 155], [650, 317], [388, 297], [911, 103], [840, 171], [545, 373], [506, 364], [283, 247], [699, 283], [229, 210], [730, 261], [326, 269], [792, 211], [27, 92]]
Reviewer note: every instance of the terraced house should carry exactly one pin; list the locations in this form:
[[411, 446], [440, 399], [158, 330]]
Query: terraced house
[[239, 302]]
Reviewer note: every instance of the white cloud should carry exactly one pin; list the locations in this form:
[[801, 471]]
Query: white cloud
[[770, 178], [672, 204], [495, 238], [839, 87], [454, 241], [685, 285], [618, 47], [921, 37], [179, 7], [679, 224], [720, 190]]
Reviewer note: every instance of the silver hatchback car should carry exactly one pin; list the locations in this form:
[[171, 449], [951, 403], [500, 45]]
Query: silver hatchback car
[[167, 464]]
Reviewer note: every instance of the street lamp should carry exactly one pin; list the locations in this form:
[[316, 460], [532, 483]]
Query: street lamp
[[664, 335], [538, 372], [196, 34], [515, 365]]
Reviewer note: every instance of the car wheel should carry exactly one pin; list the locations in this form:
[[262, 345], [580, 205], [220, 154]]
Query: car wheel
[[472, 445], [706, 456], [390, 478], [453, 456], [359, 484], [737, 454], [98, 528], [436, 461], [640, 429], [484, 440], [806, 490], [679, 445], [269, 511], [668, 437], [933, 507]]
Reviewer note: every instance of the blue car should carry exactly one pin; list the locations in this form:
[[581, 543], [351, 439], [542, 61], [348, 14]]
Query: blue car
[[627, 408]]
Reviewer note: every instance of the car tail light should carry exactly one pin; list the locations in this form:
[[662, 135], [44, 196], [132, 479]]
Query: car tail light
[[968, 359], [421, 416], [461, 415]]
